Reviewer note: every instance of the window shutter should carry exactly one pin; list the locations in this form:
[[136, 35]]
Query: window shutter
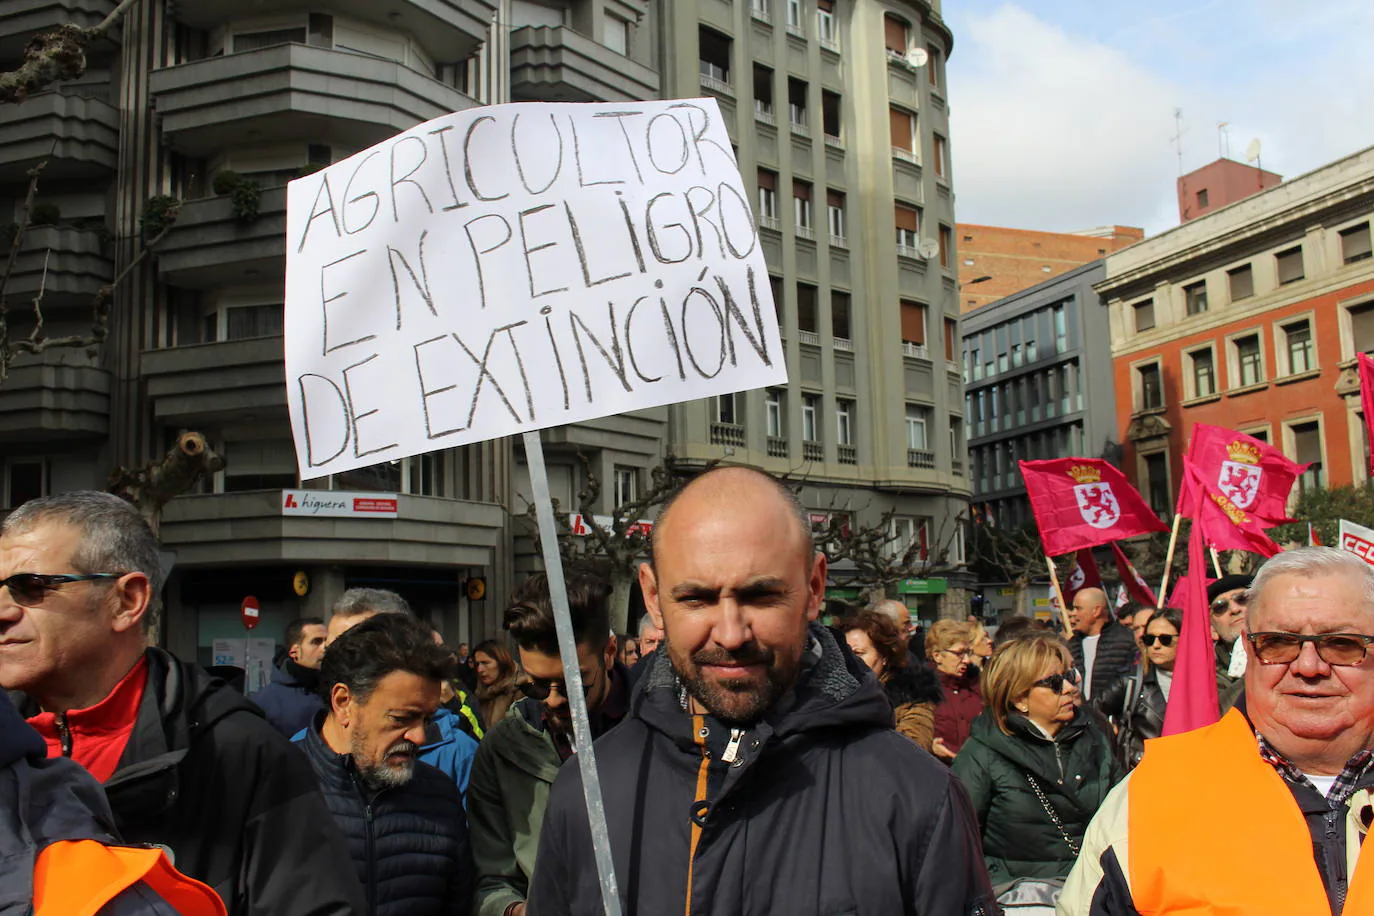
[[901, 128], [914, 322], [905, 218], [895, 32]]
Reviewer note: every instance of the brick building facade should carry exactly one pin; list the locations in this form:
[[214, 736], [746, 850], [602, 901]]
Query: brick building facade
[[996, 262]]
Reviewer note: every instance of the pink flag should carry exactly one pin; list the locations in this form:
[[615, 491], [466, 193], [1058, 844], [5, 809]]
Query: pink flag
[[1084, 502], [1252, 475], [1367, 401], [1134, 584], [1084, 574], [1220, 522], [1193, 697]]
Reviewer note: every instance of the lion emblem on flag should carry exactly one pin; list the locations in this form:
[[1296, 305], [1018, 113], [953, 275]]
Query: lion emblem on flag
[[1097, 504], [1239, 482]]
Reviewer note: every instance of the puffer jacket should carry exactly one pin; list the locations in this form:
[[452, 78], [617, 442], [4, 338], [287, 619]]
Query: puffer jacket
[[820, 808], [409, 844], [1115, 658], [291, 699], [1074, 771], [914, 692]]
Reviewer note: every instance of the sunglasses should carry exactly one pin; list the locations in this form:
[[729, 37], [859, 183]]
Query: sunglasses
[[29, 589], [1165, 639], [539, 688], [1332, 648], [1223, 604], [1055, 682]]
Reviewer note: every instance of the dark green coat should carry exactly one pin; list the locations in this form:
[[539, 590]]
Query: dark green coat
[[1075, 771]]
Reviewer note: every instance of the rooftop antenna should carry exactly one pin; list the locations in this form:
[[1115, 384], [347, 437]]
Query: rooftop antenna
[[1224, 139], [1177, 138]]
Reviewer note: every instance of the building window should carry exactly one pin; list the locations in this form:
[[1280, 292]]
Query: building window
[[1362, 327], [933, 66], [946, 246], [1249, 360], [1202, 199], [1355, 244], [760, 9], [1204, 372], [775, 287], [908, 220], [252, 41], [714, 56], [916, 417], [810, 408], [839, 316], [896, 34], [25, 479], [1061, 328], [831, 107], [796, 104], [902, 126], [941, 156], [914, 323], [1242, 280], [1307, 449], [728, 409], [773, 411], [794, 14], [1298, 346], [951, 335], [903, 532], [626, 485], [1157, 483], [1195, 297], [801, 205], [763, 93], [616, 34], [806, 308], [245, 322], [1144, 315], [834, 209], [768, 195], [1151, 386], [1290, 265], [844, 422], [825, 23]]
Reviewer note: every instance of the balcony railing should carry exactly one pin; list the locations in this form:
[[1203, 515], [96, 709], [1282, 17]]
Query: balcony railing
[[800, 128], [727, 434], [839, 241], [777, 447], [805, 232], [715, 85], [809, 337], [905, 155], [843, 343], [847, 454], [915, 350], [765, 117], [769, 222], [957, 467], [796, 30], [953, 368], [908, 252], [833, 141], [831, 44], [813, 451], [920, 458], [762, 15]]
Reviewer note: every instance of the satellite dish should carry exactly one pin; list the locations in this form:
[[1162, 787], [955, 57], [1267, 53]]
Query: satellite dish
[[917, 58], [928, 248], [1252, 152]]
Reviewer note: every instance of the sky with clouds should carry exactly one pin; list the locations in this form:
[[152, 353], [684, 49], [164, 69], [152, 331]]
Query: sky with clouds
[[1062, 111]]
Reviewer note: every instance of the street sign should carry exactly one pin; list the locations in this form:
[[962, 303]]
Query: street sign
[[250, 612]]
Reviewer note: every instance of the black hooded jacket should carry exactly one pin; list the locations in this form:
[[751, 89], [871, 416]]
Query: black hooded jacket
[[824, 810], [205, 775]]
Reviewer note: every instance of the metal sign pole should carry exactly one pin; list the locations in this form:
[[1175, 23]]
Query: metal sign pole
[[572, 673]]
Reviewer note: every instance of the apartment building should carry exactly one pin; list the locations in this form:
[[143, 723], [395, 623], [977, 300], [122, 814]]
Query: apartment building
[[996, 261], [191, 100], [1038, 384], [1249, 317]]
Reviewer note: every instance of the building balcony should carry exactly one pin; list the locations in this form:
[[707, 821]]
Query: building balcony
[[558, 64], [21, 19], [77, 134], [920, 458], [294, 92], [238, 380], [69, 265], [727, 434], [777, 447], [208, 246], [915, 350], [249, 528], [847, 454], [813, 451], [48, 400], [449, 30]]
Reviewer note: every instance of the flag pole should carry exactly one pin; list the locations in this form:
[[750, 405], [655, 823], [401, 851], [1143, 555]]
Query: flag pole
[[1059, 593], [1161, 596], [1216, 561]]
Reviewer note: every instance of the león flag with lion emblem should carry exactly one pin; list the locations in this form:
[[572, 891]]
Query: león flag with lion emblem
[[1084, 502]]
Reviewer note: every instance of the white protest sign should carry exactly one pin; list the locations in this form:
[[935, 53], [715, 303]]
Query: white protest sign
[[1357, 539], [510, 268]]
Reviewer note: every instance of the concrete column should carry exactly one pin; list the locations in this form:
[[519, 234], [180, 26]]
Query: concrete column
[[326, 587]]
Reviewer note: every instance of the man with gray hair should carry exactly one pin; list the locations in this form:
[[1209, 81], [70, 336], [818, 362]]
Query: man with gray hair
[[187, 763], [1266, 810], [358, 604]]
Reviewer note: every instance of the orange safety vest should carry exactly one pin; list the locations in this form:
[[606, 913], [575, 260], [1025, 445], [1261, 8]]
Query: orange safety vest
[[1237, 843], [79, 877]]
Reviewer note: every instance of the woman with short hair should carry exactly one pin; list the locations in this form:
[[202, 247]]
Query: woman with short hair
[[1136, 703], [949, 646], [912, 689], [1035, 767]]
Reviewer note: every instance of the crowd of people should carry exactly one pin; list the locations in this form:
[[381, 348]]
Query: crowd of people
[[752, 760]]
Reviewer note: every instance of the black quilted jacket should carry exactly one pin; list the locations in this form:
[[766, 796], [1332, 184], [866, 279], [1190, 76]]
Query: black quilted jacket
[[1115, 656]]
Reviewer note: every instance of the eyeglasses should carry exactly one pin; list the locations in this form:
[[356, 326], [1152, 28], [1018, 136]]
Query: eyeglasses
[[1332, 648], [1055, 682], [539, 688], [966, 653], [29, 589], [1165, 639], [1221, 605]]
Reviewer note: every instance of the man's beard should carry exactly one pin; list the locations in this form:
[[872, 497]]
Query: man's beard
[[381, 775], [737, 702]]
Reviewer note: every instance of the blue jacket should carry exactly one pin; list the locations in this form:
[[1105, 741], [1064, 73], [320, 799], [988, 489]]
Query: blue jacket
[[409, 843], [289, 702], [449, 749]]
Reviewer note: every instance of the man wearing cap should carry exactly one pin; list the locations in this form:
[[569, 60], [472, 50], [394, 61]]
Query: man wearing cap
[[1226, 598]]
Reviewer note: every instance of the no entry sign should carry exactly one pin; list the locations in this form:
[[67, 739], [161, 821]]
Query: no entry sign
[[251, 612]]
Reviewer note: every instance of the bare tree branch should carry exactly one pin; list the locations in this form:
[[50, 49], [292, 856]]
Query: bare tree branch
[[56, 56]]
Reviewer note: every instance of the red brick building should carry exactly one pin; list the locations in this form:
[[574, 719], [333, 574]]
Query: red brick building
[[1249, 318], [1218, 185], [995, 262]]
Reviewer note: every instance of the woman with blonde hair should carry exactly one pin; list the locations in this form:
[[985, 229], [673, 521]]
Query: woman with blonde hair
[[1035, 767], [949, 646], [912, 689]]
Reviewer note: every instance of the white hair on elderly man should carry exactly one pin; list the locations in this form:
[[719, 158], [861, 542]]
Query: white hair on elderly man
[[1310, 562]]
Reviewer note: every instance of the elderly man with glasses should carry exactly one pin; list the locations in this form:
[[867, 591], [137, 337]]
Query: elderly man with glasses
[[1265, 811], [521, 754]]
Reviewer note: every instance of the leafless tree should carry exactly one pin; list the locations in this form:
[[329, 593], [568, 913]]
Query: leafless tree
[[157, 483], [881, 557], [57, 56]]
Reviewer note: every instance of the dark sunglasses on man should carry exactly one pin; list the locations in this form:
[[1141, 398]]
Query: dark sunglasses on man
[[539, 688], [1342, 649], [1221, 605], [29, 589], [1165, 639]]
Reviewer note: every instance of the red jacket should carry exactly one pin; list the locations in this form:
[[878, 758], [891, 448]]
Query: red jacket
[[962, 703]]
